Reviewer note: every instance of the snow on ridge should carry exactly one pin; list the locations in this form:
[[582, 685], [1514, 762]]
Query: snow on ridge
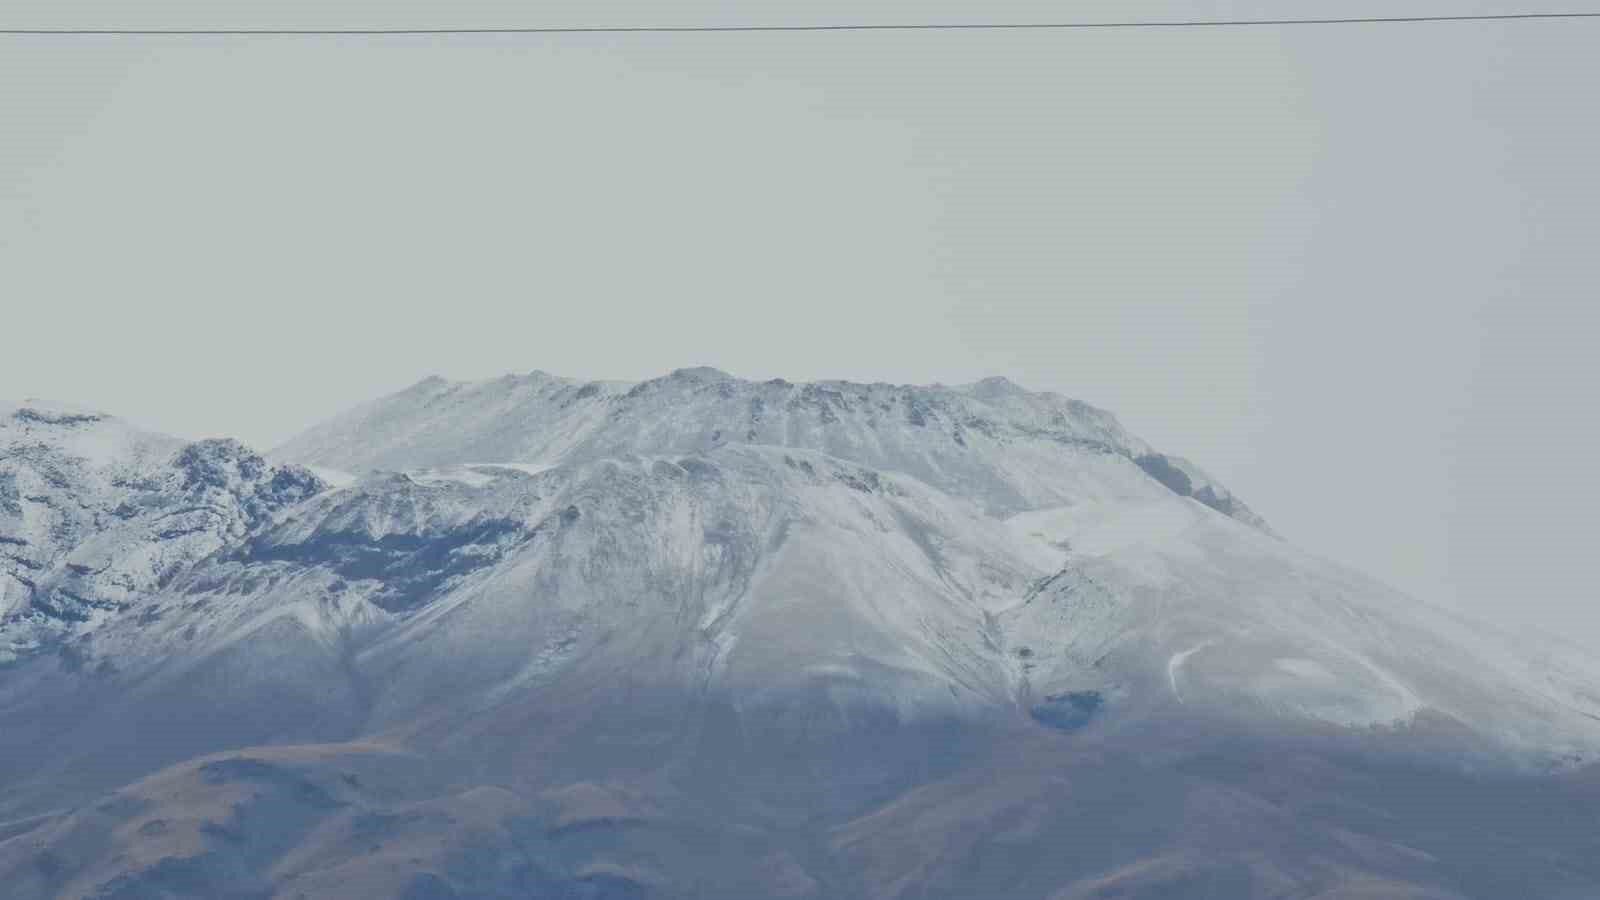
[[526, 468], [49, 410], [96, 438], [334, 478], [993, 441]]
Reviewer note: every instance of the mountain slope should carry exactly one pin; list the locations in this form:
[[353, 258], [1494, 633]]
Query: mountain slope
[[559, 645]]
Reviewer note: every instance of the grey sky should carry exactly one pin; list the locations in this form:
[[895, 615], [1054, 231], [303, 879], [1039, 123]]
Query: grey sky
[[1349, 269]]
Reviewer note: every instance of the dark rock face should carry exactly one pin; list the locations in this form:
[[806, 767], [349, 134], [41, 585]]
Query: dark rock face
[[1175, 475], [231, 468], [1161, 469], [10, 497], [410, 567], [43, 417]]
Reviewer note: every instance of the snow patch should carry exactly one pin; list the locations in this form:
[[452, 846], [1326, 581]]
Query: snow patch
[[1101, 529], [334, 478], [1175, 663], [527, 468], [453, 475]]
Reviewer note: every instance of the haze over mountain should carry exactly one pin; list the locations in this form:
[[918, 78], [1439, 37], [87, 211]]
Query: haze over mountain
[[705, 637]]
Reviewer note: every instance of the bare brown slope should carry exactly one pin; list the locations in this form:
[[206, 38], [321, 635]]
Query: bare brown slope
[[1023, 814]]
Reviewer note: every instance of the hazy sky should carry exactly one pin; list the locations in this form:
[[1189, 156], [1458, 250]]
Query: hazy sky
[[1352, 270]]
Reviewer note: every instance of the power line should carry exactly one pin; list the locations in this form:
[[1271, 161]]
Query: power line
[[679, 29]]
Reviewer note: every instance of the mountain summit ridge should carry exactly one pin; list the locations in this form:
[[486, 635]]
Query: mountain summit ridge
[[939, 434]]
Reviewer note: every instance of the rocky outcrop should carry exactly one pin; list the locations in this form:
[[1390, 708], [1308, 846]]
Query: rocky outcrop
[[96, 514]]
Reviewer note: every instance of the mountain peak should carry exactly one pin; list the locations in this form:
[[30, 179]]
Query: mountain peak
[[996, 385], [45, 412], [992, 442], [701, 373]]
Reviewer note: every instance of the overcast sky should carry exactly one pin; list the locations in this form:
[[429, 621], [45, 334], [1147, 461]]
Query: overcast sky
[[1352, 270]]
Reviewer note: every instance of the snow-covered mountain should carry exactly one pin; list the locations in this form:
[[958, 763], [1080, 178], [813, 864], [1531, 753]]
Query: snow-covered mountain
[[1008, 546], [96, 514], [701, 636]]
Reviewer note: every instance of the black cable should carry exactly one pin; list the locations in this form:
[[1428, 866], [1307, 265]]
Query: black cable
[[668, 29]]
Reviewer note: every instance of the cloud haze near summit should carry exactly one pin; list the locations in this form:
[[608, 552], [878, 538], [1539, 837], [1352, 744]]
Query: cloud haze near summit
[[1360, 295]]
